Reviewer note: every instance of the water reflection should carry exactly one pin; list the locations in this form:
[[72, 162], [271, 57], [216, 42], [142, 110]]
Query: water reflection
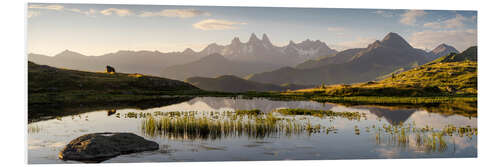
[[207, 129]]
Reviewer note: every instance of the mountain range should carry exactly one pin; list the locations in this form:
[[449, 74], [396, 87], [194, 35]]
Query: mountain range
[[382, 57], [215, 65], [144, 62], [259, 52], [264, 65]]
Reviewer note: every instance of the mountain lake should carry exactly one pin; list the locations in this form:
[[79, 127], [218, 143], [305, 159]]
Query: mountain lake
[[356, 132]]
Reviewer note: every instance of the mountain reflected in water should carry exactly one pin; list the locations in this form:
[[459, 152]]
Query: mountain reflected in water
[[215, 133]]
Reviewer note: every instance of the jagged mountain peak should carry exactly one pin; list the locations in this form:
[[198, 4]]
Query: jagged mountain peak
[[442, 50], [395, 40], [189, 51], [253, 38], [68, 53], [265, 38], [236, 40], [444, 47]]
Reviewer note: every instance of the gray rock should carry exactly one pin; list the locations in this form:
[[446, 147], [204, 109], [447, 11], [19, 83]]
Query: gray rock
[[97, 147]]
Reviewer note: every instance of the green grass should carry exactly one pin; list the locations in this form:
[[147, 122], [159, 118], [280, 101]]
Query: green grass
[[433, 79], [192, 127], [49, 85], [321, 113], [393, 100]]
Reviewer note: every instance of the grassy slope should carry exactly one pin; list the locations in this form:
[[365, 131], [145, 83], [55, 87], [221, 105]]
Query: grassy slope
[[452, 75], [434, 79], [49, 85]]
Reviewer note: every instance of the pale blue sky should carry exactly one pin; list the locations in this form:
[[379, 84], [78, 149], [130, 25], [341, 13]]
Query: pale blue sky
[[99, 29]]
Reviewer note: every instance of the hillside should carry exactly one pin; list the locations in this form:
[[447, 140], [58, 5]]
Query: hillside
[[380, 58], [440, 77], [49, 85], [214, 65], [234, 84], [338, 58]]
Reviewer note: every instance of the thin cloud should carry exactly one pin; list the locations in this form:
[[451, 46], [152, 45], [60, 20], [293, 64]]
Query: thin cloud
[[457, 22], [460, 39], [212, 24], [180, 13], [84, 12], [59, 8], [46, 7], [118, 12], [410, 17]]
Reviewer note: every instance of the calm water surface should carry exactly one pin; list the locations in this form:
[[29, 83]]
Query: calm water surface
[[350, 139]]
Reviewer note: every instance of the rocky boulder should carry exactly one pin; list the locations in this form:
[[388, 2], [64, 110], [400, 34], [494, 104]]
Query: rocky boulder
[[97, 147]]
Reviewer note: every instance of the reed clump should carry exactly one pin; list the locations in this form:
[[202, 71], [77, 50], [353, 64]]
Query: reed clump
[[219, 126], [322, 113]]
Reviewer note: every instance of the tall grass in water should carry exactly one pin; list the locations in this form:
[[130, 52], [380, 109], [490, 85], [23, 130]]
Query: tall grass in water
[[34, 128], [322, 113], [192, 127], [217, 125], [425, 139]]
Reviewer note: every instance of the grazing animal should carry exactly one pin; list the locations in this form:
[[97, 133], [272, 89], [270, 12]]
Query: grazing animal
[[111, 112], [110, 69]]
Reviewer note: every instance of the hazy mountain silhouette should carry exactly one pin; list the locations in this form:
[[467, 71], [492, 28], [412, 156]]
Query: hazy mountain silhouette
[[229, 83], [378, 59], [263, 51], [215, 65], [442, 50], [259, 52], [144, 62], [469, 54], [338, 58]]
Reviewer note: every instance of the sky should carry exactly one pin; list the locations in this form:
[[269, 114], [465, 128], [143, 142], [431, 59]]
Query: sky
[[97, 29]]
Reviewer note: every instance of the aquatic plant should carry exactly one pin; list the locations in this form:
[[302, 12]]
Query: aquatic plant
[[34, 128], [322, 113]]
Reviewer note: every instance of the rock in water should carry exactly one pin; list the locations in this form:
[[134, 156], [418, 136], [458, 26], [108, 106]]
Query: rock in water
[[97, 147]]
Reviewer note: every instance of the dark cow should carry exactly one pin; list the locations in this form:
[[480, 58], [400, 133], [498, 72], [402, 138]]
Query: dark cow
[[110, 69]]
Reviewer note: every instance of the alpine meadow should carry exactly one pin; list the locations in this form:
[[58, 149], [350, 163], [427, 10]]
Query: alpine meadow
[[159, 83]]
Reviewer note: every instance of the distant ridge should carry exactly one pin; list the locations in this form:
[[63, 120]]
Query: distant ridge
[[214, 65], [255, 51], [391, 54], [229, 83], [442, 50]]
